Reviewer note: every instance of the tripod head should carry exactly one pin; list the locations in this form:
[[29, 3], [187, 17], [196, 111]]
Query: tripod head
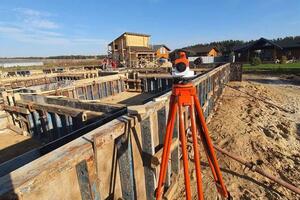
[[180, 67]]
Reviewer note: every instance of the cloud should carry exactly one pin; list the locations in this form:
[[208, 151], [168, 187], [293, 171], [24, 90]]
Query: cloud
[[89, 40], [35, 18], [34, 36], [9, 30], [42, 23], [28, 12], [38, 29]]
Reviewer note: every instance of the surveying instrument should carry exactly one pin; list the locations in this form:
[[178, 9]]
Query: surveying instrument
[[184, 94]]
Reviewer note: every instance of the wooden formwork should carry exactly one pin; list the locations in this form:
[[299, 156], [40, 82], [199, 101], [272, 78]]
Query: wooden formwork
[[23, 82], [119, 160], [53, 121], [29, 113], [91, 89]]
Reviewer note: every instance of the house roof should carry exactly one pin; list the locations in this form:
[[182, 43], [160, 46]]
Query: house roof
[[130, 33], [199, 49], [141, 49], [262, 42], [289, 43], [158, 46], [174, 53]]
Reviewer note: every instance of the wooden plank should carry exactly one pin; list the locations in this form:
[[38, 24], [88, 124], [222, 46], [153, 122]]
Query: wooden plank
[[156, 159], [63, 124], [140, 159], [161, 131], [83, 180], [175, 160], [44, 123], [62, 110], [148, 147], [170, 193], [16, 109], [56, 130], [17, 129], [107, 166], [156, 75], [125, 160]]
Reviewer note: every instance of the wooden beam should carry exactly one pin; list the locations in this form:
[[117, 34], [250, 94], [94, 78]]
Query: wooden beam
[[156, 159], [169, 195], [155, 75], [17, 129], [16, 109], [73, 112]]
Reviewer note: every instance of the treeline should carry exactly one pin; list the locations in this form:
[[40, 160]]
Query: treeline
[[223, 46], [62, 57], [77, 57], [227, 46], [287, 39]]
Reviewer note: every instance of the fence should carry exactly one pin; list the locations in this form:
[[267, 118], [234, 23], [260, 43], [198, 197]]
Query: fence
[[118, 160], [212, 59]]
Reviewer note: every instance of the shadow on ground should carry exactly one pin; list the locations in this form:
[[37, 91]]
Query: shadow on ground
[[138, 99], [18, 149], [274, 79]]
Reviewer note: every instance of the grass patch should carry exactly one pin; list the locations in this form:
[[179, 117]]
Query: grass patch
[[273, 68]]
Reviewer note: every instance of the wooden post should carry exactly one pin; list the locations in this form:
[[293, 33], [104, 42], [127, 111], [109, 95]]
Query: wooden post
[[129, 52], [55, 129], [148, 147], [77, 122], [162, 123], [44, 123], [122, 46], [125, 160], [63, 124]]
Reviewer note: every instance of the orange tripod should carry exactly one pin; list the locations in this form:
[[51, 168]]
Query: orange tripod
[[185, 95]]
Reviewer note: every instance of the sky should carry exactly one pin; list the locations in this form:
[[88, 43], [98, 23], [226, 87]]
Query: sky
[[65, 27]]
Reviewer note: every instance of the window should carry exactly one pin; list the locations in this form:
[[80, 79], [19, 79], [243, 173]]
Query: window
[[162, 50], [116, 46]]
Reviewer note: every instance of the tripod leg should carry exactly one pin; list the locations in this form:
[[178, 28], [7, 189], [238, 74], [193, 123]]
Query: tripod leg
[[196, 152], [210, 150], [184, 154], [166, 147]]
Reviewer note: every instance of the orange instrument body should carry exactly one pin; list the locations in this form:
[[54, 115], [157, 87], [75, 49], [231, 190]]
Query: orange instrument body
[[182, 59], [181, 66]]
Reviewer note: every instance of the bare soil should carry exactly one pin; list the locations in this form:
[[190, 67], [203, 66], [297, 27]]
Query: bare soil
[[13, 144], [127, 98], [256, 131]]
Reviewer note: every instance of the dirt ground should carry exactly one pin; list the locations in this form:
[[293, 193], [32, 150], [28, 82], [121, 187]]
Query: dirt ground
[[256, 131], [127, 98], [13, 144]]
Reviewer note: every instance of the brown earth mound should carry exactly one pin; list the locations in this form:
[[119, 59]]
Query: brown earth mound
[[256, 131]]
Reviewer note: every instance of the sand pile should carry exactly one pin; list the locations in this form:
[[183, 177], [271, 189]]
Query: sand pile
[[259, 132]]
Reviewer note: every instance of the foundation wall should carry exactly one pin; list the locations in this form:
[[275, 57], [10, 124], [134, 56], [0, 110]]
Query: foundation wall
[[24, 82], [32, 114], [113, 161]]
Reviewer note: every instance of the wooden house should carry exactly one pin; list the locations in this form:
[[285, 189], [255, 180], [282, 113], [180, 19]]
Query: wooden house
[[130, 49], [161, 51], [201, 50], [268, 50]]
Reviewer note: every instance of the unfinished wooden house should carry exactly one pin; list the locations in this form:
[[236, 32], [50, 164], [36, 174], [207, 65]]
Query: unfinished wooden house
[[161, 51], [131, 49]]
